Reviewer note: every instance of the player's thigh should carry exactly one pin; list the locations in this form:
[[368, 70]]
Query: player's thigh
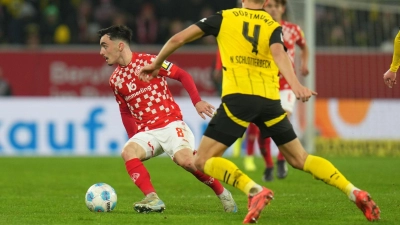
[[149, 145], [288, 100], [233, 116], [272, 119], [174, 137]]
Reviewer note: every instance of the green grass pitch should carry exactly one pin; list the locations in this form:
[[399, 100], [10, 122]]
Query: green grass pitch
[[47, 190]]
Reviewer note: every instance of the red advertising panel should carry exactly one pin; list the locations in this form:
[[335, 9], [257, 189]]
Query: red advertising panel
[[85, 73], [344, 75]]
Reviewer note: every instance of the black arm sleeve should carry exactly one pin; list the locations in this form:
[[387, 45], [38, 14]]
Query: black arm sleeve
[[276, 36], [210, 25]]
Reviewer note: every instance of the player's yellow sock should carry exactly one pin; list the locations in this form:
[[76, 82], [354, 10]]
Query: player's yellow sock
[[237, 147], [324, 170], [226, 171]]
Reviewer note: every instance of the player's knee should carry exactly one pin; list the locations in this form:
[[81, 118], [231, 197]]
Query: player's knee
[[199, 163], [297, 163], [297, 160], [130, 151], [187, 163]]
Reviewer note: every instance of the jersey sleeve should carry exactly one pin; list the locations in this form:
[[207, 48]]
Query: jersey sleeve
[[396, 54], [276, 37], [167, 69], [211, 24], [127, 120], [301, 41]]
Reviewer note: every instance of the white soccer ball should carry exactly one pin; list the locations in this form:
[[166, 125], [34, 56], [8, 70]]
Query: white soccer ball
[[101, 197]]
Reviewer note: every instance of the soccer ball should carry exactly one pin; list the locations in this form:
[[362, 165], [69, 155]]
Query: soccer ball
[[101, 197]]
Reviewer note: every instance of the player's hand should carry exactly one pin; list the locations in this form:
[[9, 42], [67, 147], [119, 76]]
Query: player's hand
[[304, 70], [148, 72], [302, 93], [389, 78], [203, 107]]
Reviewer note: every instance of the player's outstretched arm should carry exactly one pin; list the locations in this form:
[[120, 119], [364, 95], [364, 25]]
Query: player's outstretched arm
[[285, 68], [189, 34], [390, 76], [304, 60], [202, 107]]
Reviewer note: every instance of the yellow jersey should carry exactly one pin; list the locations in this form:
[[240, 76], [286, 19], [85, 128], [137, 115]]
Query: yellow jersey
[[244, 36]]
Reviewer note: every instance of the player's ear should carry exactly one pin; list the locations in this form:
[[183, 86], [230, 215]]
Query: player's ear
[[121, 46], [265, 4]]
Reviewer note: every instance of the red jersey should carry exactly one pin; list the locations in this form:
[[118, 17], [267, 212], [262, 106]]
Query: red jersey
[[151, 104], [292, 36]]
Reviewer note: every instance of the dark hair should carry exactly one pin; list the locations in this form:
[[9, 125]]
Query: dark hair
[[281, 2], [121, 32]]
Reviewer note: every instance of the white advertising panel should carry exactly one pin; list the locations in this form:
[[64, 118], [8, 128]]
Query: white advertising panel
[[72, 126], [92, 126]]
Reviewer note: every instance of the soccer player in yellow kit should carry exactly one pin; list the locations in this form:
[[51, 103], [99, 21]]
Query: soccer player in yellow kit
[[390, 76], [252, 52]]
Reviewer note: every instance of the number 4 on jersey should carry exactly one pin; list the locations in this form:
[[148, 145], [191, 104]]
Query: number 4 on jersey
[[256, 34]]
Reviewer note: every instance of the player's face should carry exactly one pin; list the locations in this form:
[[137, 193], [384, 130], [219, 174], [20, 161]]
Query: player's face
[[109, 50], [275, 10]]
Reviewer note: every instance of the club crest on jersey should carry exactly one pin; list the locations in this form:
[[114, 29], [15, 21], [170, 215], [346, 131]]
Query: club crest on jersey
[[166, 65]]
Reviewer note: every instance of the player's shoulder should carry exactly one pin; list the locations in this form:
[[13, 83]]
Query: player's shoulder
[[115, 72], [290, 25], [112, 79], [142, 56]]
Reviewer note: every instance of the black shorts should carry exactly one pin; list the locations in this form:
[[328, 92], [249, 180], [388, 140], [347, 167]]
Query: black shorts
[[237, 111]]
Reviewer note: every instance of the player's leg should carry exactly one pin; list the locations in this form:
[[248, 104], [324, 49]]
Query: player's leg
[[324, 170], [225, 127], [265, 149], [237, 147], [185, 159], [209, 160], [288, 100], [252, 133], [179, 146], [134, 152]]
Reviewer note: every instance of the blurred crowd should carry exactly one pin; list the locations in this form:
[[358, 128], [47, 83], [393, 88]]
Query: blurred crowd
[[36, 22], [349, 27]]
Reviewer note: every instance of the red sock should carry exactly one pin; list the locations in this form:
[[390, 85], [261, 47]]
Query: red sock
[[209, 181], [250, 146], [266, 144], [281, 157], [139, 175]]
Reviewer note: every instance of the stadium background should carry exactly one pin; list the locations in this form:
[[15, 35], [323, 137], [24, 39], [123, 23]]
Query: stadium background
[[62, 105]]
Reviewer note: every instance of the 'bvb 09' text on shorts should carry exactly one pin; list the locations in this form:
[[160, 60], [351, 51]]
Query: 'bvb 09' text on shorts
[[169, 139], [238, 110]]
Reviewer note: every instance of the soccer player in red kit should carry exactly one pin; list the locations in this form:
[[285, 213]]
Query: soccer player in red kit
[[152, 118]]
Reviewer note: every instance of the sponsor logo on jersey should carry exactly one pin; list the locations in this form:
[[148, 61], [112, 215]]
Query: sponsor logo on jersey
[[131, 86]]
